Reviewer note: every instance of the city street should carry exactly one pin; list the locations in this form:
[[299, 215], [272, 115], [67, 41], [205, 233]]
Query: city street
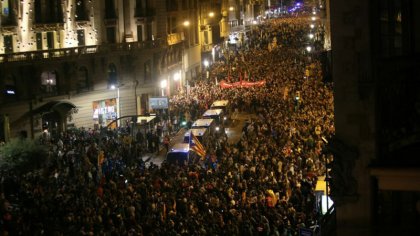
[[233, 132]]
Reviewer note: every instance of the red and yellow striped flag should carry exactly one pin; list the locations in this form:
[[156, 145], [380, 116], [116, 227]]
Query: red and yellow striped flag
[[196, 146]]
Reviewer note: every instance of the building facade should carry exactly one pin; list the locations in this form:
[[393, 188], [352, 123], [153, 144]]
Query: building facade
[[376, 174], [83, 63]]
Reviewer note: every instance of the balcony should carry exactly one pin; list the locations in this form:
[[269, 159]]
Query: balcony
[[175, 38], [78, 51], [48, 26]]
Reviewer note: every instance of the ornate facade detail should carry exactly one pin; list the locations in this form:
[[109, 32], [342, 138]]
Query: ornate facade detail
[[342, 183]]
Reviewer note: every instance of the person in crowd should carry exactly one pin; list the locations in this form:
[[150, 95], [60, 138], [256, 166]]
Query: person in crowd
[[262, 185]]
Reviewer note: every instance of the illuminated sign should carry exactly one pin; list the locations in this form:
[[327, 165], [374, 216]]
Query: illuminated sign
[[10, 92], [158, 103], [105, 111]]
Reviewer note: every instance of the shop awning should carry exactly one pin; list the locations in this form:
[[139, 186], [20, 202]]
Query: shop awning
[[61, 107], [54, 106]]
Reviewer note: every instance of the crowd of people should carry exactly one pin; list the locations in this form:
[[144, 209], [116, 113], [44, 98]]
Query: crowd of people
[[262, 185]]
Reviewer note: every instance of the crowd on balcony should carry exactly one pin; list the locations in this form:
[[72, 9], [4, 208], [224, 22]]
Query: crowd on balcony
[[263, 185]]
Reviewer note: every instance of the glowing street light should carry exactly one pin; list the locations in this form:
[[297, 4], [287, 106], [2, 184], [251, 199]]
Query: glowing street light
[[311, 36], [186, 23], [231, 8], [206, 63], [118, 110], [177, 76], [312, 26], [163, 85], [309, 48], [313, 18], [211, 14]]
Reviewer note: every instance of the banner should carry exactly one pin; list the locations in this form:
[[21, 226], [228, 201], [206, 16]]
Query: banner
[[242, 84]]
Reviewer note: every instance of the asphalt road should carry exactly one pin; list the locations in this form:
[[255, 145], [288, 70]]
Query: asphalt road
[[233, 131]]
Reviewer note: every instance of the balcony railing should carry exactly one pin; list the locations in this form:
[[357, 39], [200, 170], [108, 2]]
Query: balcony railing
[[77, 51]]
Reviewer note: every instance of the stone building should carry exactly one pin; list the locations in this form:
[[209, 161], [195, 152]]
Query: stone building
[[375, 61], [83, 63]]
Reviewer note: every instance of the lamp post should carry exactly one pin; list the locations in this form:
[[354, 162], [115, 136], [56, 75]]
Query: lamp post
[[206, 66], [113, 87], [163, 84], [177, 78]]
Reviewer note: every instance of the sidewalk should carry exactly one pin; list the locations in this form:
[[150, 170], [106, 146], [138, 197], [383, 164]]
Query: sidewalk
[[161, 155]]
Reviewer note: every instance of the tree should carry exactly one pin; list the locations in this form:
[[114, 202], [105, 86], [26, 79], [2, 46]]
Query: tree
[[22, 155]]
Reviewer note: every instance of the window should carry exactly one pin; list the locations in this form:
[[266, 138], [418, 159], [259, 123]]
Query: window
[[81, 37], [184, 5], [10, 86], [147, 71], [48, 11], [140, 8], [8, 14], [206, 37], [144, 8], [8, 44], [112, 76], [81, 13], [39, 41], [83, 80], [110, 35], [110, 9], [49, 81], [395, 27], [139, 33], [172, 5], [50, 40], [149, 31]]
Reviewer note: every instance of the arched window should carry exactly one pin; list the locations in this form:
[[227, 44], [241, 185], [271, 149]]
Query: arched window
[[112, 76]]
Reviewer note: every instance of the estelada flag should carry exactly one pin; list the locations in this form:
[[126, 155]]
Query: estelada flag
[[101, 158], [196, 146]]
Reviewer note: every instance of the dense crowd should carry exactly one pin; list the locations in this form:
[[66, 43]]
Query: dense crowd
[[263, 185]]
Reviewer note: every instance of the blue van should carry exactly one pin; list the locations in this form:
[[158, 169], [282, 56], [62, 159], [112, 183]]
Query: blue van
[[179, 154]]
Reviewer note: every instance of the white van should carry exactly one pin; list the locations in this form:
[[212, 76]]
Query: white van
[[225, 106], [201, 133], [209, 124]]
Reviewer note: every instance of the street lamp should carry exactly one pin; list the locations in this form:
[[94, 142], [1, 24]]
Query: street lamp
[[177, 78], [113, 87], [312, 26], [163, 84], [186, 23], [231, 8], [309, 48], [311, 36], [206, 63], [211, 14]]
